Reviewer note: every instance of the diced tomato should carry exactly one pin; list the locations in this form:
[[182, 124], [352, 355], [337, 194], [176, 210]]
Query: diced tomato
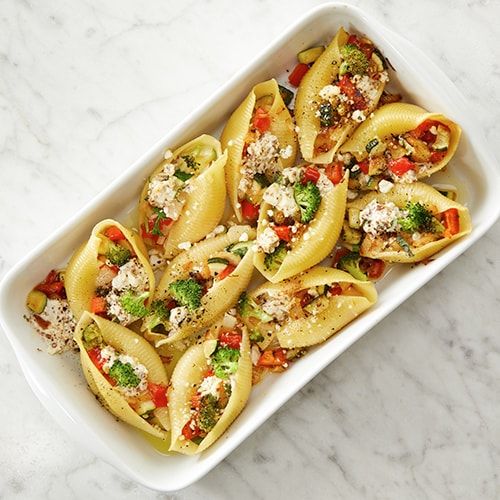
[[95, 356], [366, 48], [437, 156], [147, 234], [311, 175], [196, 399], [158, 394], [114, 234], [249, 211], [350, 90], [335, 290], [451, 222], [98, 305], [276, 357], [226, 271], [261, 120], [335, 172], [52, 285], [422, 131], [297, 74], [284, 232], [230, 339], [341, 252], [189, 433], [209, 372], [42, 323], [401, 166], [305, 299], [375, 269], [364, 166], [112, 269]]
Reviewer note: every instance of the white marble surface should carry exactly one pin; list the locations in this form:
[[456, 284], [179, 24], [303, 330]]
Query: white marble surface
[[411, 411]]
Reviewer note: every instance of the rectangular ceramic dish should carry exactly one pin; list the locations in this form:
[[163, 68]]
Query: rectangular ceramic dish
[[57, 380]]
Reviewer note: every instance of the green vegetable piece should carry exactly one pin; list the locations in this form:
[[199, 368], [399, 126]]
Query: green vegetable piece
[[160, 215], [273, 260], [36, 301], [255, 336], [308, 56], [308, 198], [350, 263], [286, 94], [240, 248], [402, 243], [190, 162], [224, 361], [326, 114], [158, 314], [91, 336], [419, 218], [247, 308], [209, 413], [355, 61], [371, 145], [262, 180], [117, 254], [183, 176], [124, 374], [187, 293], [134, 304]]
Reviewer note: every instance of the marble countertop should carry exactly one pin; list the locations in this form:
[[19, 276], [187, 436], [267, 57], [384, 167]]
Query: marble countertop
[[410, 411]]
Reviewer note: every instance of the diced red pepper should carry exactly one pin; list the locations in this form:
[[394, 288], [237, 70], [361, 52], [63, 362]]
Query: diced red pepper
[[147, 234], [276, 357], [366, 48], [189, 433], [335, 172], [158, 394], [114, 269], [297, 74], [114, 234], [422, 131], [375, 269], [196, 399], [311, 175], [95, 356], [98, 305], [52, 285], [42, 323], [437, 156], [401, 166], [305, 299], [230, 339], [335, 290], [364, 166], [226, 271], [451, 222], [341, 252], [249, 211], [350, 90], [261, 120], [284, 232]]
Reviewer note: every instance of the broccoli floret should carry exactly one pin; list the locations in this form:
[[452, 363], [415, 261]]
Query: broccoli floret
[[134, 304], [350, 263], [308, 198], [158, 313], [419, 218], [224, 361], [273, 261], [255, 336], [117, 254], [187, 293], [209, 413], [91, 336], [355, 62], [124, 374], [247, 308]]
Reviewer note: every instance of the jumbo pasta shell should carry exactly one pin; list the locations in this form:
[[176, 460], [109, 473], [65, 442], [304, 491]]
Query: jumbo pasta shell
[[400, 194], [341, 311], [188, 373], [125, 341], [395, 119], [235, 131], [222, 296], [323, 72], [323, 233], [81, 273], [204, 205]]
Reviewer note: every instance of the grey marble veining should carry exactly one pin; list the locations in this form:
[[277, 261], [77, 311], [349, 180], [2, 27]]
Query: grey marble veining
[[411, 411]]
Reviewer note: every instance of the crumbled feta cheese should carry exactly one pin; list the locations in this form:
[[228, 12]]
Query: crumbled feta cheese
[[378, 218], [291, 174], [433, 130], [131, 275], [218, 230], [358, 116], [287, 152], [229, 320], [351, 195], [416, 236], [268, 240], [328, 92], [366, 86], [185, 245], [384, 77], [407, 178], [230, 143], [210, 386], [325, 185], [116, 310], [156, 259], [281, 197], [178, 315], [354, 168], [385, 186], [262, 155], [243, 237], [277, 306], [163, 192], [168, 154], [255, 355]]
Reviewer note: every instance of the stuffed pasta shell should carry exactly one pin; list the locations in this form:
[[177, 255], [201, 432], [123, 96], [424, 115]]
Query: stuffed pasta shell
[[110, 275], [199, 285], [300, 219], [408, 224], [306, 309], [260, 139], [400, 143], [184, 198], [338, 93], [209, 387], [125, 373]]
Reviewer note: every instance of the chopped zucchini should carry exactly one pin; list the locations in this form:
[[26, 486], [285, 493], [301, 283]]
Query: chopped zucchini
[[91, 336], [199, 156], [354, 220], [308, 56], [262, 180], [217, 265], [145, 407], [379, 60], [183, 176], [376, 165], [36, 301], [350, 236], [371, 144], [404, 245], [240, 249], [286, 94], [266, 100], [442, 138]]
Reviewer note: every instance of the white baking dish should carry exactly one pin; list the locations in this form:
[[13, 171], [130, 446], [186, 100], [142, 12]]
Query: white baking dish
[[57, 380]]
